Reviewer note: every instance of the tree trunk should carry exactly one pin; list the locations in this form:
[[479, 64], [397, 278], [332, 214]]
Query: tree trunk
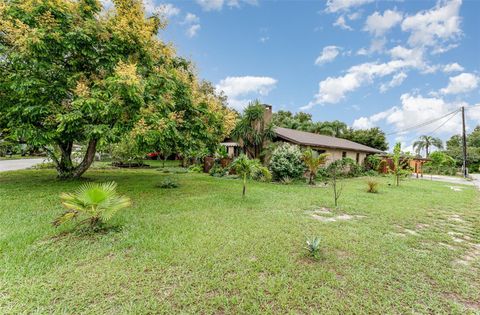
[[426, 151], [65, 167], [244, 185]]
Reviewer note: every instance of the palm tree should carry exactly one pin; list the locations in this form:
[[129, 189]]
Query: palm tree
[[246, 168], [313, 163], [252, 129], [425, 142], [98, 201]]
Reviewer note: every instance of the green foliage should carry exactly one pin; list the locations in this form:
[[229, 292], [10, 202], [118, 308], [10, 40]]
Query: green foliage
[[400, 164], [373, 137], [372, 162], [440, 163], [98, 202], [425, 143], [313, 161], [218, 171], [313, 246], [263, 174], [372, 185], [195, 168], [167, 183], [286, 161], [252, 130], [73, 74], [127, 152], [303, 121], [221, 152], [246, 168]]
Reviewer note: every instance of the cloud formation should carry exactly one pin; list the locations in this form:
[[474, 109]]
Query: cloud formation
[[378, 24], [240, 90], [461, 83], [329, 53]]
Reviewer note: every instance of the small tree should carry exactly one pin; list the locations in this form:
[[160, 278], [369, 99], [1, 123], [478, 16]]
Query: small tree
[[335, 171], [247, 168], [399, 163], [313, 163]]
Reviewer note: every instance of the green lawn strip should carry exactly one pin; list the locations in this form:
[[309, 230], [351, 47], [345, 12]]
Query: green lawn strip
[[201, 248]]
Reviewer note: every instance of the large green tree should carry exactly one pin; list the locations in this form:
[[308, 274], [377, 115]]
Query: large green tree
[[74, 74], [373, 137]]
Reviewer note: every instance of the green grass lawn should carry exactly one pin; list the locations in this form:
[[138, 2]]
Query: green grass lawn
[[200, 248]]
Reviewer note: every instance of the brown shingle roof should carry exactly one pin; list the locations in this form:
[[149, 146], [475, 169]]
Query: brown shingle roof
[[316, 140]]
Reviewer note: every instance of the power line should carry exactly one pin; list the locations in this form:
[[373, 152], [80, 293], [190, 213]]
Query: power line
[[453, 115], [426, 123]]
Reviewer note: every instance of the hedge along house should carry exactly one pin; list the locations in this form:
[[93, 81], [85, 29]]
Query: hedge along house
[[337, 148]]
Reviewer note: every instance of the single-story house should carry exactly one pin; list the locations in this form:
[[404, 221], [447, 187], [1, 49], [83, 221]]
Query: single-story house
[[337, 148]]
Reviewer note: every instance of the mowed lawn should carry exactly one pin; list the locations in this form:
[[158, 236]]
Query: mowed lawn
[[200, 248]]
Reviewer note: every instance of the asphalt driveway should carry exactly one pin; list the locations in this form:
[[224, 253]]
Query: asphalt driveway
[[20, 164]]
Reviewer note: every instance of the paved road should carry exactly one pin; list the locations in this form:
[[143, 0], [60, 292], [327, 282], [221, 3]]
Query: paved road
[[454, 180], [11, 165]]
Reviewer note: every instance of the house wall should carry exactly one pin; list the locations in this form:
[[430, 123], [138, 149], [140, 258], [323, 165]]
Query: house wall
[[337, 154]]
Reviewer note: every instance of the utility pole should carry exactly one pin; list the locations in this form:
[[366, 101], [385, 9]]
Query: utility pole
[[464, 142]]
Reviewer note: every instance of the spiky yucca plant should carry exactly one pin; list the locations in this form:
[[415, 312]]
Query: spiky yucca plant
[[313, 246], [99, 202]]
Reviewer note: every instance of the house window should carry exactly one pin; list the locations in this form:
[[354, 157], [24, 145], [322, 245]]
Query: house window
[[344, 154], [358, 158]]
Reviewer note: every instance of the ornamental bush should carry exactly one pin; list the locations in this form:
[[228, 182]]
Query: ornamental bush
[[286, 161]]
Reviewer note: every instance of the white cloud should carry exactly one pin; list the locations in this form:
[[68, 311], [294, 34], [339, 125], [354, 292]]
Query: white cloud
[[378, 24], [452, 67], [168, 10], [461, 83], [240, 89], [396, 81], [329, 53], [434, 27], [354, 16], [190, 18], [414, 110], [334, 89], [217, 5], [264, 39], [377, 45], [344, 5], [192, 30], [340, 22]]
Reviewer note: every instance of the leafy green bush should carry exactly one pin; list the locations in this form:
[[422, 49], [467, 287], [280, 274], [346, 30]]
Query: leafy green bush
[[262, 175], [372, 162], [440, 163], [167, 183], [313, 246], [286, 161], [98, 202], [195, 168], [218, 171]]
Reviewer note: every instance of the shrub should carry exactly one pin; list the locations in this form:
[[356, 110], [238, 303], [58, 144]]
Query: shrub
[[218, 171], [286, 161], [313, 246], [98, 202], [167, 183], [372, 162], [262, 174], [372, 186], [286, 180], [195, 168]]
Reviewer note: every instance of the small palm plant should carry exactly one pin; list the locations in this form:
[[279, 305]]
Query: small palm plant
[[313, 163], [247, 168], [313, 246], [99, 202]]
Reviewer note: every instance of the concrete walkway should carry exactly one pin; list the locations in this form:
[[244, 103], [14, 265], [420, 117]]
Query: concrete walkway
[[20, 164], [453, 180]]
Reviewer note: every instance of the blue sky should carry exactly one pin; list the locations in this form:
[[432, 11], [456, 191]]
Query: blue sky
[[391, 64]]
